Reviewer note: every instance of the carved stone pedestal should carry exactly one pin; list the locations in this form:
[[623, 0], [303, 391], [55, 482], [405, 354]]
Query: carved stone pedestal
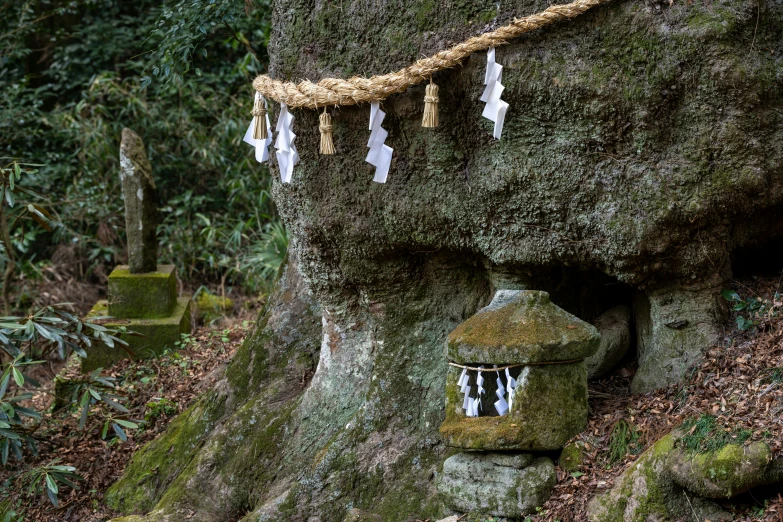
[[143, 303]]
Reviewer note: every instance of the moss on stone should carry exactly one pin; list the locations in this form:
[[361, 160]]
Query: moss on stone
[[641, 493], [149, 295], [154, 336], [732, 469], [549, 408], [152, 468], [571, 458], [212, 306], [527, 329]]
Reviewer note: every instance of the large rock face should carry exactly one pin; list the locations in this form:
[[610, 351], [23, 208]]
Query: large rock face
[[643, 145]]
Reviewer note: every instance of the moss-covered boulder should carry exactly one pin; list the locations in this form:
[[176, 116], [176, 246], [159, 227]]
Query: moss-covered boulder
[[645, 492], [499, 484], [521, 327], [669, 481], [210, 306], [729, 471], [572, 456]]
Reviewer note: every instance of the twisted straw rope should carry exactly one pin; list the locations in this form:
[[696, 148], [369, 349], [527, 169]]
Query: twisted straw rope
[[336, 91], [494, 369]]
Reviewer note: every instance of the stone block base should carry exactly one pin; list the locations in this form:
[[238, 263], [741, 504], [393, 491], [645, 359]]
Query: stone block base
[[157, 335], [498, 484], [150, 295]]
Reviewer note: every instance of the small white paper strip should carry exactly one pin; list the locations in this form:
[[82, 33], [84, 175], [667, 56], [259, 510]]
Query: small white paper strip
[[261, 146], [501, 405], [462, 377], [511, 385], [495, 110], [286, 153], [474, 405], [480, 382], [380, 155], [466, 401]]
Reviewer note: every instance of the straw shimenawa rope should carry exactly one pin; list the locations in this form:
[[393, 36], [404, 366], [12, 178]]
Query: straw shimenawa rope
[[337, 91]]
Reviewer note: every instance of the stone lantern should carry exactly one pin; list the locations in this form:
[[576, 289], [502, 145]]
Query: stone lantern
[[517, 378]]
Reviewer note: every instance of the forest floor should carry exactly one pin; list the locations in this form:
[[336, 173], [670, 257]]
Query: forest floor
[[737, 392], [156, 390]]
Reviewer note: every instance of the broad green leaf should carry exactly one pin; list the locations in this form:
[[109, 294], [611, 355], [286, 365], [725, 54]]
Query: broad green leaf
[[127, 424], [18, 377], [51, 484], [120, 433], [117, 406]]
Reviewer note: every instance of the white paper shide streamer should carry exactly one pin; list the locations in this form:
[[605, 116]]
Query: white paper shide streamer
[[511, 385], [500, 405], [380, 155], [472, 405], [495, 110], [261, 146], [286, 153]]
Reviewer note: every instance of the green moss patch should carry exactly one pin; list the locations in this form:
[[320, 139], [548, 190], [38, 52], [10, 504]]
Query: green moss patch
[[527, 329], [149, 295]]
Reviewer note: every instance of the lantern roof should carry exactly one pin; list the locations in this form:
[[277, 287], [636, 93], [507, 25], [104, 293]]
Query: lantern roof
[[521, 327]]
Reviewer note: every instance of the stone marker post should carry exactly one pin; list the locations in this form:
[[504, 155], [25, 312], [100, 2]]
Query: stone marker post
[[142, 295], [141, 204]]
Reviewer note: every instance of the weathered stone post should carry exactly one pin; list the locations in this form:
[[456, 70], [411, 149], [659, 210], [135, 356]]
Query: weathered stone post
[[142, 294], [141, 204]]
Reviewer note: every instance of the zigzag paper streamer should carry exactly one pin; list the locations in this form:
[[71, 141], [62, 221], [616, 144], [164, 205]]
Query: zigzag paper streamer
[[510, 387], [463, 380], [466, 403], [261, 146], [500, 405], [495, 110], [286, 153], [380, 155]]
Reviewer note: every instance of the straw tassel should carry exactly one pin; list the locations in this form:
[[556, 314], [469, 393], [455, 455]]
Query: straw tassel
[[259, 111], [327, 146], [430, 119]]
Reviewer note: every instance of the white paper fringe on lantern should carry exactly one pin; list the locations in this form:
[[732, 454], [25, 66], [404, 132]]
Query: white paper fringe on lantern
[[511, 385], [500, 405], [287, 156], [495, 110], [380, 155], [472, 405], [261, 146]]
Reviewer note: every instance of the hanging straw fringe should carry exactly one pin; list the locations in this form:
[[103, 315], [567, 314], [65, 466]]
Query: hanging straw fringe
[[336, 91], [259, 111], [430, 118], [327, 145]]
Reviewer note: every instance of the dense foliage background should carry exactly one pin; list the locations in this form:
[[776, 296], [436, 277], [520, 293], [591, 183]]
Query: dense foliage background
[[73, 74]]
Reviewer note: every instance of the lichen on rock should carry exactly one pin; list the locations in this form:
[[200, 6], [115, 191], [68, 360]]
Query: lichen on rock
[[615, 328]]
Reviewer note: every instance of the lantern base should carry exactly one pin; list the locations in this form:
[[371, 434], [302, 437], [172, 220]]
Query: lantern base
[[502, 485]]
